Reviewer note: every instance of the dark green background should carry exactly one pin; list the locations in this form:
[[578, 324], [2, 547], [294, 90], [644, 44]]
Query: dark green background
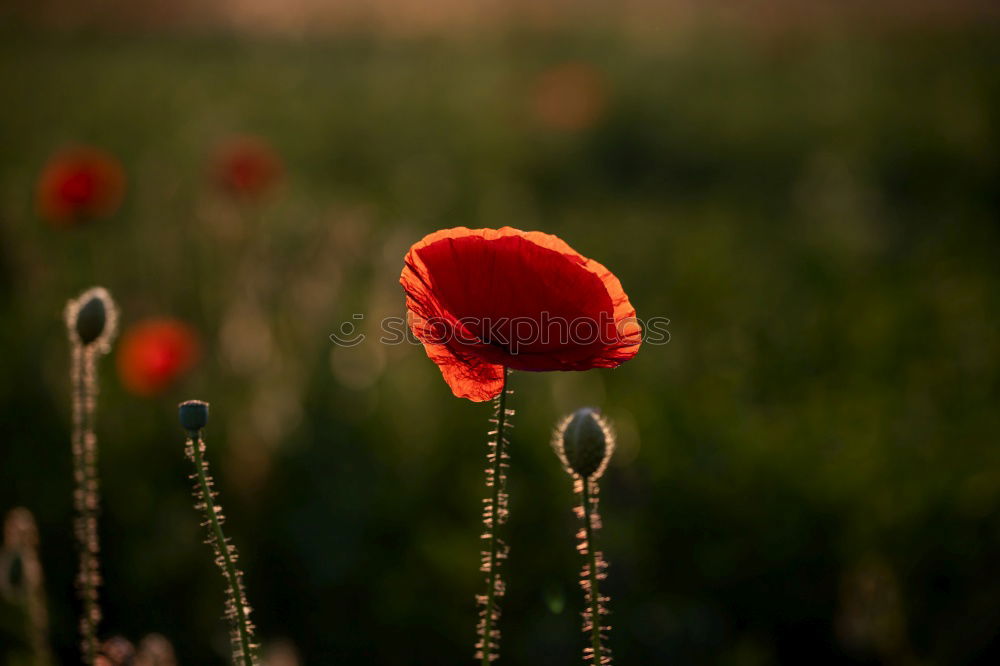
[[816, 211]]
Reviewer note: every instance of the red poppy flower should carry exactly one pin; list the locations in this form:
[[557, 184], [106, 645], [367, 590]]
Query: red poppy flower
[[481, 300], [154, 353], [80, 184], [247, 166], [568, 98]]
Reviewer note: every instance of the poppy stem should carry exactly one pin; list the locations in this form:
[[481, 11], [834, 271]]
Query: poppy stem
[[592, 570], [494, 549], [20, 544], [237, 608], [86, 497], [90, 324]]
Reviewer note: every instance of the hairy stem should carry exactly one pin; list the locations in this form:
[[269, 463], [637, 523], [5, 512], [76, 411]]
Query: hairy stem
[[86, 497], [237, 607], [494, 515], [588, 495]]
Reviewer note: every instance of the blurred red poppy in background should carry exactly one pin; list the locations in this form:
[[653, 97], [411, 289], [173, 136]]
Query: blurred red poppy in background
[[247, 166], [154, 353], [569, 97], [481, 300], [79, 184]]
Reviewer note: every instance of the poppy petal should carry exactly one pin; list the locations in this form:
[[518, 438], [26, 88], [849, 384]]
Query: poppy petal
[[509, 298], [467, 375]]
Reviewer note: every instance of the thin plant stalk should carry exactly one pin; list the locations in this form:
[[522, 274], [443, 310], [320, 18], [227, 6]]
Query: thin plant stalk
[[91, 321], [86, 498], [494, 516], [226, 556], [594, 570], [584, 442], [27, 586]]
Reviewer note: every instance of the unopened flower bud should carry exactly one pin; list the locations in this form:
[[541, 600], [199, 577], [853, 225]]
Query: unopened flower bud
[[193, 415], [584, 443], [92, 319]]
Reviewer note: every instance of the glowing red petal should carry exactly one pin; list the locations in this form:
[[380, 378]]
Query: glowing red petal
[[484, 299]]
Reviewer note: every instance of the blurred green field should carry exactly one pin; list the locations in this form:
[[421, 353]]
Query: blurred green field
[[809, 472]]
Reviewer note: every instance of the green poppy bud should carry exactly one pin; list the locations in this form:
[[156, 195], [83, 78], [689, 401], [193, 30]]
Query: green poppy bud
[[584, 443], [92, 319], [193, 415]]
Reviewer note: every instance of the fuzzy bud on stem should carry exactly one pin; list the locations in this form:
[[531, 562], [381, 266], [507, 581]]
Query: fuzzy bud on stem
[[193, 415], [92, 319], [584, 443], [91, 324]]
